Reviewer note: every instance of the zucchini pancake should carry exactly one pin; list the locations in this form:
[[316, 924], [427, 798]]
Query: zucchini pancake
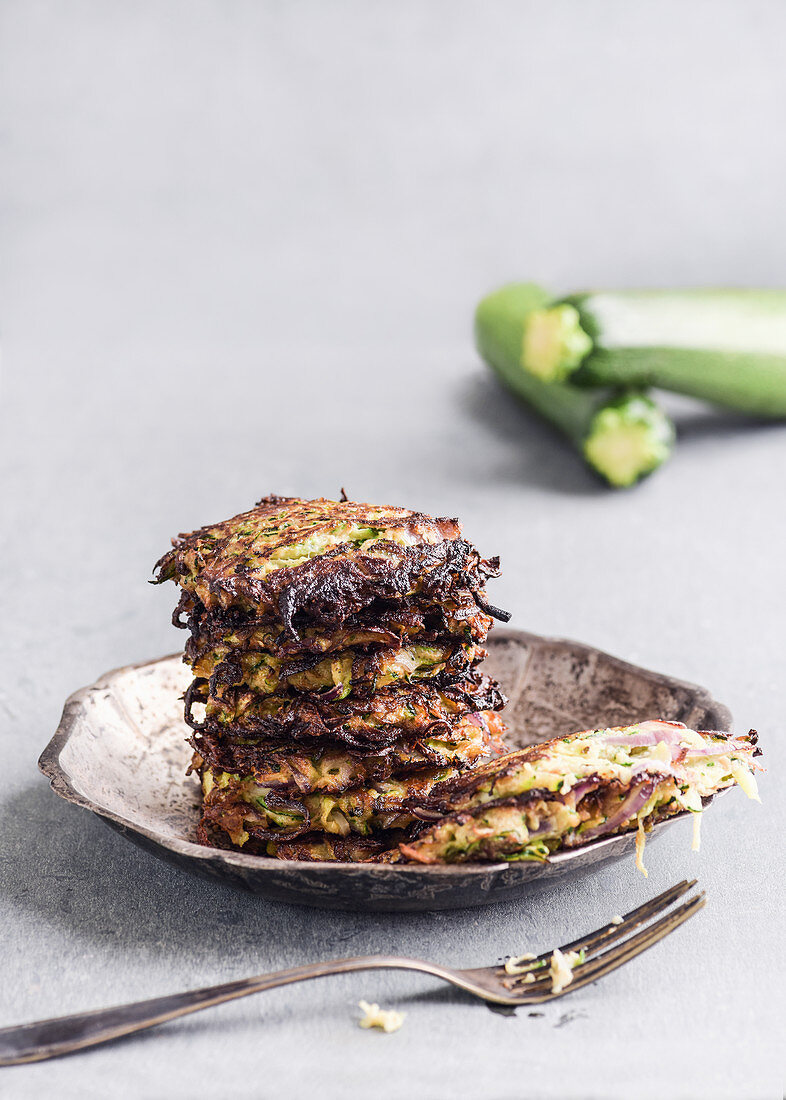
[[565, 792], [338, 710], [335, 648]]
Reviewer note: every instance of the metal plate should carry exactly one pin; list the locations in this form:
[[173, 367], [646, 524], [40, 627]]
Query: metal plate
[[120, 751]]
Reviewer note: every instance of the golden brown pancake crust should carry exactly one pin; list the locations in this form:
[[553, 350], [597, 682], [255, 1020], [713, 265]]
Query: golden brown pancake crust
[[239, 563]]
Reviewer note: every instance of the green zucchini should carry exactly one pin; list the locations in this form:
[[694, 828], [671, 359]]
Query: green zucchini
[[724, 346], [622, 434]]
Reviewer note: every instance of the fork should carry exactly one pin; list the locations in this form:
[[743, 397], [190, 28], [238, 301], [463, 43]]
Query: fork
[[530, 984]]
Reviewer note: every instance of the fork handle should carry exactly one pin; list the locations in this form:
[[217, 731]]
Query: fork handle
[[44, 1039]]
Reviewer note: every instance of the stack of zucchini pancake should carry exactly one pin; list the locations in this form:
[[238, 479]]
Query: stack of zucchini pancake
[[339, 712], [336, 649]]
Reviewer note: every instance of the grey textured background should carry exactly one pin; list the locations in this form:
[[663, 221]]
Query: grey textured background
[[241, 243]]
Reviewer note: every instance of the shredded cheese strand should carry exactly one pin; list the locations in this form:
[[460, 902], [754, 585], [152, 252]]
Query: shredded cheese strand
[[696, 842], [640, 842]]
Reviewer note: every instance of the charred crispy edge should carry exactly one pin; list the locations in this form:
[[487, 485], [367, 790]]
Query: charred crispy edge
[[331, 584], [420, 621], [216, 740], [383, 762], [380, 847], [366, 668], [343, 580], [214, 808], [345, 849], [483, 603], [274, 499], [367, 661], [299, 729], [475, 691], [481, 692], [366, 742], [751, 737], [222, 800], [181, 616], [376, 765], [310, 718], [495, 612], [196, 692], [439, 815]]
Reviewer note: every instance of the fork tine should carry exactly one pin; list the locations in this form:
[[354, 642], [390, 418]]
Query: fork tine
[[610, 932], [634, 919], [610, 960]]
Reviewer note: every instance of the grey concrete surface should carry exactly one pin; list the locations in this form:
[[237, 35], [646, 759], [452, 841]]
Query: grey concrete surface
[[241, 243]]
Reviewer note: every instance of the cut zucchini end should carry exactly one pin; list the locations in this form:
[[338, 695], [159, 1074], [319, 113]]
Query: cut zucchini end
[[628, 440], [554, 343]]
